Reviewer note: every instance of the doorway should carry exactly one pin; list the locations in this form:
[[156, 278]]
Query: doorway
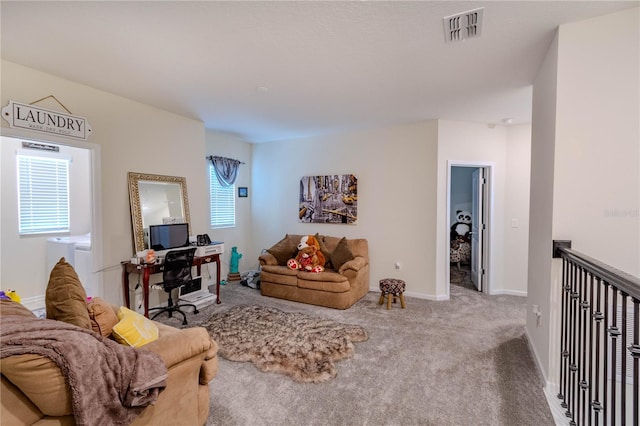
[[468, 219], [21, 247]]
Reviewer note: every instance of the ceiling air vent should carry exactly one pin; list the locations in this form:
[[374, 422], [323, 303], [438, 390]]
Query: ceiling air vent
[[462, 26]]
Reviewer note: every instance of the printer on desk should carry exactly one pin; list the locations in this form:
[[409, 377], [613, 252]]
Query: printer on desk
[[216, 247]]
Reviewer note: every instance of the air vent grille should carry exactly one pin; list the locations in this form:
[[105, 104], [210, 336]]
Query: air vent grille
[[462, 26]]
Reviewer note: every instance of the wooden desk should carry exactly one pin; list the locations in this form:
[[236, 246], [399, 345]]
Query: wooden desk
[[146, 270]]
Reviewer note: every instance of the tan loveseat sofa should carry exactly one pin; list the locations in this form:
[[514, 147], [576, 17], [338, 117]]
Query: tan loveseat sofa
[[337, 288], [41, 395]]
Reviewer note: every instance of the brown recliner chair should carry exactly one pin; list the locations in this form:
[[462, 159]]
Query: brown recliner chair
[[34, 390]]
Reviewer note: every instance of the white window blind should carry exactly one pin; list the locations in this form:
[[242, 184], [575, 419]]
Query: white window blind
[[223, 203], [43, 194]]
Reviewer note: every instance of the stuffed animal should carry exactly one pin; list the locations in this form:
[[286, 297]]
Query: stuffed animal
[[309, 257], [462, 227]]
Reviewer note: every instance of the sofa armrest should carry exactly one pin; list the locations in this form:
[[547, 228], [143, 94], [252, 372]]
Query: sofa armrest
[[354, 264], [175, 345], [267, 259], [209, 367]]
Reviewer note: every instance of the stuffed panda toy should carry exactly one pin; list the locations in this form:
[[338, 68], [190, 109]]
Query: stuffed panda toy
[[462, 227]]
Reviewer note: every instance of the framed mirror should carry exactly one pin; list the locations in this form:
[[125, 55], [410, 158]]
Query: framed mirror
[[155, 200]]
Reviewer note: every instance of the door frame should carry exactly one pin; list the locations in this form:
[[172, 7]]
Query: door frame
[[96, 190], [488, 167]]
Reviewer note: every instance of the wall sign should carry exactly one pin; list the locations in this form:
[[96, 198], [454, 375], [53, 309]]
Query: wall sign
[[25, 116]]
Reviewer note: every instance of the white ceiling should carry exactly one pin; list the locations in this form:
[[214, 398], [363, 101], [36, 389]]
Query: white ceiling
[[326, 66]]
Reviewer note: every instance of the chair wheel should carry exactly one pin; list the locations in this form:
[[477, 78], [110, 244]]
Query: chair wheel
[[184, 321], [195, 311]]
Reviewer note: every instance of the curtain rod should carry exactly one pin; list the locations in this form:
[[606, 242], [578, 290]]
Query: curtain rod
[[211, 157]]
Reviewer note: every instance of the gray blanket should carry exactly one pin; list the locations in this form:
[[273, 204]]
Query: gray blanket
[[110, 383]]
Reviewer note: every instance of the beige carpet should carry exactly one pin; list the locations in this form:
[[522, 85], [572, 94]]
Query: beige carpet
[[458, 362]]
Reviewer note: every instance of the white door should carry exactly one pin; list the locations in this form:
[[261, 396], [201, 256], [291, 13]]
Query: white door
[[477, 228]]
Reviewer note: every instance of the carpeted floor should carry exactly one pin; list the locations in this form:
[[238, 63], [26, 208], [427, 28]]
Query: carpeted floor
[[461, 276], [459, 362]]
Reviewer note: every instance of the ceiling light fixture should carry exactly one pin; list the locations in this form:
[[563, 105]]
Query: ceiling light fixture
[[507, 121]]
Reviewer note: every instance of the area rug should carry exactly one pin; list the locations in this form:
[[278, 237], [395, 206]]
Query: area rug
[[291, 343]]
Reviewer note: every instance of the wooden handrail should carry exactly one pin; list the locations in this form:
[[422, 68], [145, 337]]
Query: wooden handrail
[[623, 281]]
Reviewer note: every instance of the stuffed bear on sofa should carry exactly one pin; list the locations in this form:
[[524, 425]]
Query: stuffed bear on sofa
[[344, 280]]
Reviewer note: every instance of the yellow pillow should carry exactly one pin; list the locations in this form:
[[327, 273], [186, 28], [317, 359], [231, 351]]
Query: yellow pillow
[[134, 329]]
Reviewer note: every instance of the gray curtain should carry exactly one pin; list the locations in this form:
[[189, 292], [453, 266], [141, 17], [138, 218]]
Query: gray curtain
[[226, 169]]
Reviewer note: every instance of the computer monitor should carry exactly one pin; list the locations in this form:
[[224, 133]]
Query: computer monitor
[[170, 236]]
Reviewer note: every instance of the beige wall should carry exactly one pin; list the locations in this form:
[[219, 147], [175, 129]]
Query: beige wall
[[505, 150], [226, 145], [130, 136], [585, 157], [541, 204], [396, 170], [402, 177]]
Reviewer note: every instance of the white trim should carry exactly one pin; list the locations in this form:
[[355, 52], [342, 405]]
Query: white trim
[[536, 358], [558, 413], [423, 296], [33, 303], [550, 389], [489, 166], [96, 190], [518, 293]]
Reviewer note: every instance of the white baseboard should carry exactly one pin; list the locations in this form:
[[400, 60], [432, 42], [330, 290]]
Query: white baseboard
[[551, 392], [416, 295], [550, 389], [509, 293]]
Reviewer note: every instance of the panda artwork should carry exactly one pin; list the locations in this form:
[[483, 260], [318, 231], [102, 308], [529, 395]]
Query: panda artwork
[[462, 227]]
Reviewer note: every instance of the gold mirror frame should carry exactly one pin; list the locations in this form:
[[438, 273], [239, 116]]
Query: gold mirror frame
[[136, 204]]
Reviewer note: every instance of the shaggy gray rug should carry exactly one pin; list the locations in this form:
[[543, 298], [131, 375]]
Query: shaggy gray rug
[[301, 346]]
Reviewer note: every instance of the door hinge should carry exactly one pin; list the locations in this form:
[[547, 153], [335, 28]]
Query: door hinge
[[484, 227], [483, 272], [484, 181]]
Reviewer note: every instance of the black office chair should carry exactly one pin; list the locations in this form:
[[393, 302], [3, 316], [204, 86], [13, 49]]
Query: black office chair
[[175, 274]]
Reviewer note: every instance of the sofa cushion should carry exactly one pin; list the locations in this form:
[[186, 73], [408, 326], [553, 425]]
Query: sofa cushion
[[334, 283], [65, 297], [284, 249], [40, 380], [341, 254], [102, 316], [279, 275], [9, 307], [134, 329]]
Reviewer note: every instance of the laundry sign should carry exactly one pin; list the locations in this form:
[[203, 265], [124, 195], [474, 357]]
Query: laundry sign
[[30, 117]]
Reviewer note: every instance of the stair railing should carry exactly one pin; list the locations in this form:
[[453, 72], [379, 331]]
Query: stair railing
[[599, 342]]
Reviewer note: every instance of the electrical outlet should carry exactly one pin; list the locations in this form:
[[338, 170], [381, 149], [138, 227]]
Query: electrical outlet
[[398, 265], [538, 313]]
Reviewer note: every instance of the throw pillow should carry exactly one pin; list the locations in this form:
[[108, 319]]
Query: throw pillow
[[102, 316], [284, 250], [134, 329], [325, 251], [341, 254], [65, 297]]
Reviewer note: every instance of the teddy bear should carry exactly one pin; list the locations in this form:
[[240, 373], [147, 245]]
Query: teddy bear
[[309, 257], [462, 228]]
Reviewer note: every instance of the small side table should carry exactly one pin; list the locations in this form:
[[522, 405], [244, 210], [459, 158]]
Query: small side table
[[392, 288]]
